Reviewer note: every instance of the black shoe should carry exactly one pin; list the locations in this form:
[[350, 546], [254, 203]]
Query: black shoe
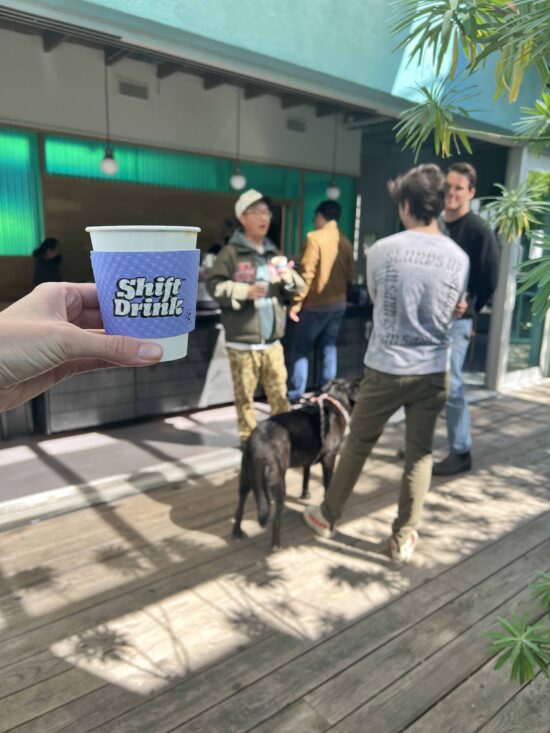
[[454, 463]]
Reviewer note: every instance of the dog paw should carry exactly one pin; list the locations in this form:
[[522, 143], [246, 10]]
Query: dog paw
[[238, 534], [306, 495]]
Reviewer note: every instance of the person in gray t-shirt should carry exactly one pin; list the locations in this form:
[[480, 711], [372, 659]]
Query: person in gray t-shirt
[[416, 280]]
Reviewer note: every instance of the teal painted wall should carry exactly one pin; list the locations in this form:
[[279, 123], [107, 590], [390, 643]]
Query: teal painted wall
[[78, 157], [20, 197], [345, 41]]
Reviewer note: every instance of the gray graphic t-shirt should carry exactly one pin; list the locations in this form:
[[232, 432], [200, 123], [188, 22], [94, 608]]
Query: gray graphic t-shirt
[[414, 280]]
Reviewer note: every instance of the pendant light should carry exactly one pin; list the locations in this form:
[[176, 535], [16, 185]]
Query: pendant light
[[333, 192], [237, 180], [108, 165]]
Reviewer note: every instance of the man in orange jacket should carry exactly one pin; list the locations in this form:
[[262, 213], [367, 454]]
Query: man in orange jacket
[[327, 267]]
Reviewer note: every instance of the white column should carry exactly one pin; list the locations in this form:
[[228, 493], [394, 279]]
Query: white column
[[504, 297]]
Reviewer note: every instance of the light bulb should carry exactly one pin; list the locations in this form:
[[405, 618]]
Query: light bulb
[[333, 192], [237, 180], [108, 165]]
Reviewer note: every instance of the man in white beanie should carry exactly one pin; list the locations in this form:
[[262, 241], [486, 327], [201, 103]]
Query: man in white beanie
[[253, 292]]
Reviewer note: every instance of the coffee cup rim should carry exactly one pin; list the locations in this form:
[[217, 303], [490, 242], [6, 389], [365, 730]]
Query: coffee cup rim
[[144, 228]]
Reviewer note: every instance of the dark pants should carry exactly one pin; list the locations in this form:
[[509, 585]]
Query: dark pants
[[314, 325]]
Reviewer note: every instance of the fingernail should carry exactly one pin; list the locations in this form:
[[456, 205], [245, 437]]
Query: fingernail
[[149, 352]]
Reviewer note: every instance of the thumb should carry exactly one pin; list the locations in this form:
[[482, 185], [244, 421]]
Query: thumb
[[121, 350]]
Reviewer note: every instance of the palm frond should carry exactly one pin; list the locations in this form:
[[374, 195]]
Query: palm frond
[[436, 115], [536, 122], [517, 32], [517, 210], [434, 26]]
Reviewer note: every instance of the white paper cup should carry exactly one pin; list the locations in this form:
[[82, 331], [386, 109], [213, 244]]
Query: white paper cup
[[148, 239], [280, 263]]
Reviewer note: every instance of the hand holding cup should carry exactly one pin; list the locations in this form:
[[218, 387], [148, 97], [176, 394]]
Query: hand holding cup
[[257, 290], [283, 267]]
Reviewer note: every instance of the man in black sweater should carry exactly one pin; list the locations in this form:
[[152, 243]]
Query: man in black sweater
[[475, 237]]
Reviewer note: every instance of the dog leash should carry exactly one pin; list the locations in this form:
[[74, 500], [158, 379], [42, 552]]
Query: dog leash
[[340, 407], [321, 399]]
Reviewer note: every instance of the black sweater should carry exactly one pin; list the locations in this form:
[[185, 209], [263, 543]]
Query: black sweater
[[46, 271], [475, 237]]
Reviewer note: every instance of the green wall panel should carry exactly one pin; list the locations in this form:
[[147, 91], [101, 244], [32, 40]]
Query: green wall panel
[[315, 186], [74, 157], [20, 210]]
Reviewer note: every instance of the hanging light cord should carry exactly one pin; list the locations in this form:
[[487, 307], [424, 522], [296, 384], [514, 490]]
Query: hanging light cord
[[238, 146], [334, 146], [107, 108]]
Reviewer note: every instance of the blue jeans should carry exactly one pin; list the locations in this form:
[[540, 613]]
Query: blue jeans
[[313, 325], [456, 408]]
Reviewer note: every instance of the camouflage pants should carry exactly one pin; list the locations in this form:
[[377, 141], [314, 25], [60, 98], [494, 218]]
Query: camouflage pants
[[247, 369]]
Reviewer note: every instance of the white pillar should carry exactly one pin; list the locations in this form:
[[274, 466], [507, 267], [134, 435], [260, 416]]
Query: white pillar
[[504, 297]]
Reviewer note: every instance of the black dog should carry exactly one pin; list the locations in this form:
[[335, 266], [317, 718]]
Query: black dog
[[309, 434]]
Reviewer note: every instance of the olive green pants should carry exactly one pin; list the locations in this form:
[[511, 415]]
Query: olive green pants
[[380, 395], [247, 369]]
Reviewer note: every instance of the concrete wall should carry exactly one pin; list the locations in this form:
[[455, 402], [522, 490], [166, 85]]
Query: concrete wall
[[339, 48], [64, 91]]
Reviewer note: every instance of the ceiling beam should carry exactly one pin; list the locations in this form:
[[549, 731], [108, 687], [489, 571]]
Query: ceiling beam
[[288, 101], [112, 55], [211, 81], [324, 109], [166, 69], [51, 40], [251, 91]]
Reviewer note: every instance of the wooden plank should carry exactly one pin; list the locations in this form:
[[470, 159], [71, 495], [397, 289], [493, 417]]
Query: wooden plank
[[471, 704], [30, 672], [287, 683], [47, 531], [528, 711], [293, 521], [36, 700], [363, 680], [312, 571], [273, 655], [196, 568], [299, 717], [88, 617], [406, 700], [72, 531]]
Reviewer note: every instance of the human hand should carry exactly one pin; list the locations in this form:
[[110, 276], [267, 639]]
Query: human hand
[[286, 274], [54, 333], [293, 313], [461, 307], [257, 290]]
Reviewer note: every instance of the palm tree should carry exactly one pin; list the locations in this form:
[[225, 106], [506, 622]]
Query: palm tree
[[518, 35]]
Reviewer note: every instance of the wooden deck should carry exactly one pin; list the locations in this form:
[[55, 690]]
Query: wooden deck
[[145, 617]]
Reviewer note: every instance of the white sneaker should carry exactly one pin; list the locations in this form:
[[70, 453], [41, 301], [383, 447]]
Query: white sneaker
[[315, 520], [402, 552]]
